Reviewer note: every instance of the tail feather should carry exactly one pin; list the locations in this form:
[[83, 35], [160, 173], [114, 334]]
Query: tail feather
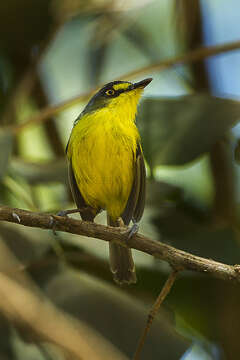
[[121, 262]]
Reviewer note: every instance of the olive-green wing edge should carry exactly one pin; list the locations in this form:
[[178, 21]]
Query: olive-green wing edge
[[136, 201], [87, 214], [139, 209]]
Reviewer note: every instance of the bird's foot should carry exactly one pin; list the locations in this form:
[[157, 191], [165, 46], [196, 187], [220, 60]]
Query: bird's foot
[[129, 232], [56, 245], [132, 231], [63, 213], [72, 211]]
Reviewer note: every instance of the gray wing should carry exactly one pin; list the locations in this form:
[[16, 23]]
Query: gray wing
[[136, 201]]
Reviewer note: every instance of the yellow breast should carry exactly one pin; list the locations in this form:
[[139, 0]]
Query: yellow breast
[[102, 149]]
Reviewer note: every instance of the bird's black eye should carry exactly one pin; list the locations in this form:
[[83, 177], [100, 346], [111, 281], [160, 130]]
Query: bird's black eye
[[110, 92]]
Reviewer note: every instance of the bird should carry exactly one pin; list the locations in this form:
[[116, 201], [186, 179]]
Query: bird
[[106, 166]]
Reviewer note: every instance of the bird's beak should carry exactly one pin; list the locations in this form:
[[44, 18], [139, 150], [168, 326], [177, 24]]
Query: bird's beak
[[142, 84]]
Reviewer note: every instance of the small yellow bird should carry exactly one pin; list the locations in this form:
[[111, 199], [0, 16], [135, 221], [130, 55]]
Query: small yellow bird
[[106, 165]]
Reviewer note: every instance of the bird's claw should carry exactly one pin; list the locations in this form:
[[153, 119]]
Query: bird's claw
[[53, 224], [63, 213], [132, 231], [53, 221]]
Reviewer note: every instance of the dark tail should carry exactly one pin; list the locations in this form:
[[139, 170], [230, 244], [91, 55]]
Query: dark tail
[[121, 262]]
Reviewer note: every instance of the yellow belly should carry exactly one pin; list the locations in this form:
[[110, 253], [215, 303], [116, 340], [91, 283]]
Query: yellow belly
[[103, 154]]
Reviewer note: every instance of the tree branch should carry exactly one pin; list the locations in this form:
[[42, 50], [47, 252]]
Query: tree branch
[[178, 259], [190, 57], [154, 310]]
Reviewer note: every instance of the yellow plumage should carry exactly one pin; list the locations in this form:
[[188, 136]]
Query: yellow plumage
[[102, 149], [106, 165]]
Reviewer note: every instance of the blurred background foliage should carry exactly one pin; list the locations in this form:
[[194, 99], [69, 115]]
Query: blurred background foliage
[[52, 51]]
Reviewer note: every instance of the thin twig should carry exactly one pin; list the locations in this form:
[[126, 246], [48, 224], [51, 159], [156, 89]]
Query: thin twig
[[190, 57], [176, 258], [154, 310]]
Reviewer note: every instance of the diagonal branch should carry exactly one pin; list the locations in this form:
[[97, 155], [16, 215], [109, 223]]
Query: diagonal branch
[[190, 57], [154, 310], [178, 259]]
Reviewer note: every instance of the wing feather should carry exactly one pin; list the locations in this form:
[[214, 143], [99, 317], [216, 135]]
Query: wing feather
[[136, 201], [87, 214], [138, 211]]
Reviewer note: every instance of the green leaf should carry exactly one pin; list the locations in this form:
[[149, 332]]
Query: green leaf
[[118, 312], [39, 173], [6, 144], [176, 131]]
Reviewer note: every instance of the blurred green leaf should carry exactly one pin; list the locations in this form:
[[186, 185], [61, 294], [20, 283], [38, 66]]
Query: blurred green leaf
[[6, 144], [109, 310], [27, 244], [140, 38], [210, 308], [159, 192], [40, 173], [176, 131], [194, 232], [107, 27], [18, 189]]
